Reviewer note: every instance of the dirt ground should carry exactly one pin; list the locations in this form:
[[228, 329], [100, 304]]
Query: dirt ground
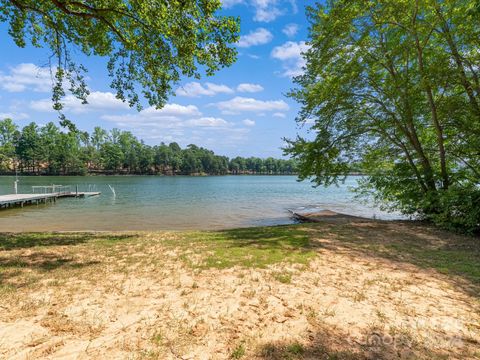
[[361, 294]]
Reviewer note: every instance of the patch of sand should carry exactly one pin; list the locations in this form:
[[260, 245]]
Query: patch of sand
[[344, 303]]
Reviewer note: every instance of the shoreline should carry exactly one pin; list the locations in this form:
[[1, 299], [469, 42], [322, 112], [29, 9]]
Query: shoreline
[[156, 175], [325, 216], [153, 175]]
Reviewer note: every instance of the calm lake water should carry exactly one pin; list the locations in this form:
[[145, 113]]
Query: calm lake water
[[177, 203]]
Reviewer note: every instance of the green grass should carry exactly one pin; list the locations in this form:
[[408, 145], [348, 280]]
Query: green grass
[[254, 247], [283, 277], [455, 262], [295, 349], [14, 241], [26, 258], [238, 352], [259, 247]]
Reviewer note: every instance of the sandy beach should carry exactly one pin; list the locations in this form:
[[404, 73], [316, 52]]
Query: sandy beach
[[348, 290]]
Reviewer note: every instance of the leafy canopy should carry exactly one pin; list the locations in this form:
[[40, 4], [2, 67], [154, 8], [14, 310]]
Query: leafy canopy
[[392, 89], [149, 44]]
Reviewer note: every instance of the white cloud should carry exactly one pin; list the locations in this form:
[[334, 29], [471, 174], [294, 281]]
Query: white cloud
[[266, 10], [195, 89], [26, 77], [294, 5], [167, 116], [230, 3], [249, 88], [290, 30], [172, 110], [248, 122], [44, 105], [208, 122], [173, 117], [290, 54], [97, 101], [289, 50], [259, 36], [279, 115], [183, 124], [14, 116], [230, 137], [241, 104]]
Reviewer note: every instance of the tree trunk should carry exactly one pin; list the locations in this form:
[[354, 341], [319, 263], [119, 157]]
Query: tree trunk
[[433, 109]]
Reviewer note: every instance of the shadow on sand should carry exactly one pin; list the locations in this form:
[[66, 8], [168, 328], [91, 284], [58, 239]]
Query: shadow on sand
[[277, 237], [32, 253], [400, 242], [327, 342], [12, 241]]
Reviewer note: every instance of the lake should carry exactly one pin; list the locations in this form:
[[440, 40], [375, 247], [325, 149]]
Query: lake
[[177, 203]]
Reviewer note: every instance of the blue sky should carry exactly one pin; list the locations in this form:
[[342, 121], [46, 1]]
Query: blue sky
[[242, 110]]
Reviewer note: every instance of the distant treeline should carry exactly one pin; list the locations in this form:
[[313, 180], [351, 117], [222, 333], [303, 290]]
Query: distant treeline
[[47, 150]]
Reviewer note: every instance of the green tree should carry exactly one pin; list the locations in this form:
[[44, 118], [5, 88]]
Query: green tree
[[392, 87], [54, 151], [51, 147], [163, 158], [191, 162], [177, 157], [271, 165], [150, 45], [70, 154], [28, 148], [8, 135], [98, 137], [112, 156], [130, 148], [88, 152], [145, 158]]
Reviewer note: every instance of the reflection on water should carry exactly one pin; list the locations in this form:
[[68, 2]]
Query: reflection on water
[[177, 203]]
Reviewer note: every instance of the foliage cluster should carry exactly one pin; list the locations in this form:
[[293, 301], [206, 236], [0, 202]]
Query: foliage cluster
[[394, 87], [149, 45], [49, 150]]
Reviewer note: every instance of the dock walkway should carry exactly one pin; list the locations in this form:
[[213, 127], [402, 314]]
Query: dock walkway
[[25, 199]]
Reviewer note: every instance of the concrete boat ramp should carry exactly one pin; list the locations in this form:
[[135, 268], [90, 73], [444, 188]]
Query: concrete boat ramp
[[12, 200]]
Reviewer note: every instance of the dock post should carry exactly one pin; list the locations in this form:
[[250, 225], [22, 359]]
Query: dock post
[[76, 191]]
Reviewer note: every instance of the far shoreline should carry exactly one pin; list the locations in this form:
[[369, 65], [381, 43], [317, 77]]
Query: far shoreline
[[154, 175]]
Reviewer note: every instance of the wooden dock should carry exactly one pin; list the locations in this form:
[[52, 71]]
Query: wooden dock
[[12, 200]]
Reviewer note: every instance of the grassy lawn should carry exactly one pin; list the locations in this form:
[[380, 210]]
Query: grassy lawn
[[304, 291]]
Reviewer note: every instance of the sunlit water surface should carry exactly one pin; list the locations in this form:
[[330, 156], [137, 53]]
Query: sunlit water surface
[[177, 203]]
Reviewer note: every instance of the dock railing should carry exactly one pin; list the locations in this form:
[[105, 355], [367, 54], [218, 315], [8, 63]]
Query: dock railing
[[52, 189]]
